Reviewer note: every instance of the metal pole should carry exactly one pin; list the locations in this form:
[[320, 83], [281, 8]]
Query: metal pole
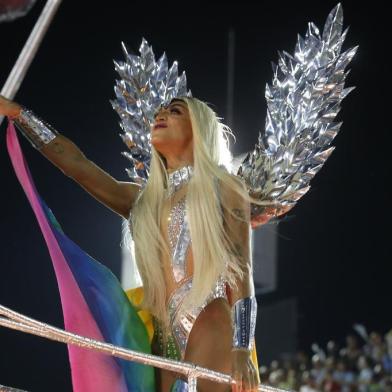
[[192, 384], [29, 51], [19, 322]]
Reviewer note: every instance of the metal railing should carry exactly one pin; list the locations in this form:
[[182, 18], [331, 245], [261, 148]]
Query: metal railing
[[20, 322]]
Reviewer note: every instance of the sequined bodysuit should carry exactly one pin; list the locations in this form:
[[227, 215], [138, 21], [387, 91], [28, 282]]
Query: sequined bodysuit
[[173, 345]]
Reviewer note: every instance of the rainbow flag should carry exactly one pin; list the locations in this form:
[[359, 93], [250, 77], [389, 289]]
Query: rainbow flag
[[93, 302]]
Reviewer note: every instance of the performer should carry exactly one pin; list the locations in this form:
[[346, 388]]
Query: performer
[[188, 147], [189, 211]]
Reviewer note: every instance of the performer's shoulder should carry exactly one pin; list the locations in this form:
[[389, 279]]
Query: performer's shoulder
[[232, 189]]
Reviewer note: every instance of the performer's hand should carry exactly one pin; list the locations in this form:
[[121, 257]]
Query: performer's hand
[[243, 372], [9, 108]]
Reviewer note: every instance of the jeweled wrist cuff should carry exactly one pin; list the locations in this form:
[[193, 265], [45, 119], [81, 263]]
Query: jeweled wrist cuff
[[244, 314], [34, 129]]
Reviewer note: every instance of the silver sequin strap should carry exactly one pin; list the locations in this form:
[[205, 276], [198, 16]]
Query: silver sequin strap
[[180, 238], [178, 178], [34, 129], [244, 314]]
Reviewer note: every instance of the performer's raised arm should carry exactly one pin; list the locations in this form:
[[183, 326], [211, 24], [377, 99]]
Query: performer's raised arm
[[242, 298], [63, 153]]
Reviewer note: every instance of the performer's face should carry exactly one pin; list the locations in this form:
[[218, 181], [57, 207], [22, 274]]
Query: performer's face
[[172, 129]]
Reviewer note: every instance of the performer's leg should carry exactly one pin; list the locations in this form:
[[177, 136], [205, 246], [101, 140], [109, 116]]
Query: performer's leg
[[165, 380], [210, 342]]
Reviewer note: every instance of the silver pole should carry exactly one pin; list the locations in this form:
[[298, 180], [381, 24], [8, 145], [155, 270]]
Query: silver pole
[[29, 51], [192, 384]]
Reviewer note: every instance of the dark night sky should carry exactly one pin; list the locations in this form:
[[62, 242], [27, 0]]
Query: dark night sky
[[333, 249]]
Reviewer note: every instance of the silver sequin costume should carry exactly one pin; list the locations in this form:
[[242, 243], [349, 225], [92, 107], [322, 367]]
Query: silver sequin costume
[[174, 345]]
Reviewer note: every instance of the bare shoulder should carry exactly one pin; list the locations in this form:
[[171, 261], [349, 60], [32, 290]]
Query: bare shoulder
[[232, 189], [234, 197]]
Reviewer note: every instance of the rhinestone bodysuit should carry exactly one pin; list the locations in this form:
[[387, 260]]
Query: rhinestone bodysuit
[[174, 344], [179, 239]]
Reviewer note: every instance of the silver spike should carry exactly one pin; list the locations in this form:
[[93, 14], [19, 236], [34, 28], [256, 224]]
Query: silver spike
[[145, 85]]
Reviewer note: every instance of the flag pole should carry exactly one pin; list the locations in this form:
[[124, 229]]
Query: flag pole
[[29, 51]]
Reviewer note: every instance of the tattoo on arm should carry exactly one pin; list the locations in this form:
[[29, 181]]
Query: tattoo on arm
[[58, 148], [239, 213]]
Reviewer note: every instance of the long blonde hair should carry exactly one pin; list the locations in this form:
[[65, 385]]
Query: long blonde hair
[[210, 244]]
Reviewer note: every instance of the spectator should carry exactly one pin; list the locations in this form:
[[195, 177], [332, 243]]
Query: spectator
[[308, 383], [264, 374], [352, 351], [276, 377], [387, 358], [378, 382], [302, 361], [329, 384], [332, 349], [351, 369], [365, 374], [376, 348], [344, 376], [318, 370]]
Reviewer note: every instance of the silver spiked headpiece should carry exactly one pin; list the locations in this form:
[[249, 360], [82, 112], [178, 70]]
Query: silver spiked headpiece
[[144, 87]]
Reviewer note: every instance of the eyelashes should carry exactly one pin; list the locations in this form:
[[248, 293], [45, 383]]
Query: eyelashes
[[175, 110], [171, 110]]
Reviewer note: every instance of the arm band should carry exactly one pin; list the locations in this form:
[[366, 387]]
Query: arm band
[[34, 129], [244, 314]]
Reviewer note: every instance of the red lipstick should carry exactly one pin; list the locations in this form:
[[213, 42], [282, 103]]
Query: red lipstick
[[160, 125]]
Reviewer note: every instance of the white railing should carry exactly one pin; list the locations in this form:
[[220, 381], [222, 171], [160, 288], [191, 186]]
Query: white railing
[[19, 322]]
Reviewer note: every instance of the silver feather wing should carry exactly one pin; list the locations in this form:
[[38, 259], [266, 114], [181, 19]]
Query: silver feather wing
[[145, 85], [302, 102]]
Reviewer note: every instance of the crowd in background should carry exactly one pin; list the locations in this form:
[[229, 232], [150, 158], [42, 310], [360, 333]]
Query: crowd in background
[[363, 364]]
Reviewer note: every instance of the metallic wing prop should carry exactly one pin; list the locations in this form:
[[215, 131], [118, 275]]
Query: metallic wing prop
[[145, 85], [302, 101]]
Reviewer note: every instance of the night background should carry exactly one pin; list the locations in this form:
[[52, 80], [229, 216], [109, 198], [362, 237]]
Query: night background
[[334, 246]]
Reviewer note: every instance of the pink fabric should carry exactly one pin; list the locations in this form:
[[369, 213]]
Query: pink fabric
[[91, 371]]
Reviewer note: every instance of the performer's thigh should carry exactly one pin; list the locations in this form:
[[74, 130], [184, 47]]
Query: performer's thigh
[[164, 380], [209, 343]]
